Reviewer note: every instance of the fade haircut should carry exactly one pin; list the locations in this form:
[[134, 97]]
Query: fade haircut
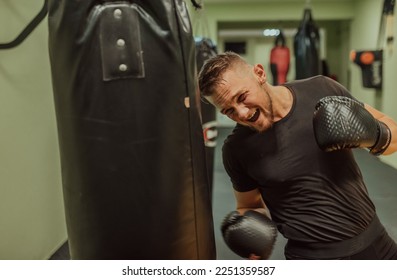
[[210, 75]]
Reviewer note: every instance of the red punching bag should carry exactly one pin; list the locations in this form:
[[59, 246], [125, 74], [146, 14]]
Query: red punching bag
[[279, 60]]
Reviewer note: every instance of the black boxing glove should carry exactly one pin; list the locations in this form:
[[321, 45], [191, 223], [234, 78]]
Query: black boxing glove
[[250, 234], [341, 122]]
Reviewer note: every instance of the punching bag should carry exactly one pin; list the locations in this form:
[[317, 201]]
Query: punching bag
[[206, 49], [307, 48], [279, 60], [131, 143]]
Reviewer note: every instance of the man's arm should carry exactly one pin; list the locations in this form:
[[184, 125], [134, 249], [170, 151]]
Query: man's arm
[[251, 200], [390, 123], [249, 232], [341, 122]]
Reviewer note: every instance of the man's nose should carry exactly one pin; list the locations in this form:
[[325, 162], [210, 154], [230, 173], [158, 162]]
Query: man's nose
[[242, 112]]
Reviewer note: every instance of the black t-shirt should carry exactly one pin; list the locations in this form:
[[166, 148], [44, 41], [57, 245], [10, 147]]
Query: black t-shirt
[[313, 196]]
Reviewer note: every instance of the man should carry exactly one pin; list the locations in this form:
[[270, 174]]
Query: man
[[290, 155]]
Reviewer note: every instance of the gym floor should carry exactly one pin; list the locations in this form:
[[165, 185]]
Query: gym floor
[[381, 183]]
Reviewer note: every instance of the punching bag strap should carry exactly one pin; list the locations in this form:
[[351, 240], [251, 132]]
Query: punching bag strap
[[307, 17], [200, 24], [121, 58], [27, 30], [280, 40]]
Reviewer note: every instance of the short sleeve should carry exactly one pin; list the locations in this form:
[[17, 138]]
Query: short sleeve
[[236, 171], [336, 87]]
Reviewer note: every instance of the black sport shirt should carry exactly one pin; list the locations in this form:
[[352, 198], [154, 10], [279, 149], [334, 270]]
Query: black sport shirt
[[313, 196]]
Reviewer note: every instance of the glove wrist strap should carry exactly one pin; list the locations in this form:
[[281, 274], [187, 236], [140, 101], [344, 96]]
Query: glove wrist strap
[[383, 141]]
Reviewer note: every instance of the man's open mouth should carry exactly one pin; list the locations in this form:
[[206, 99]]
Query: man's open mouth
[[254, 116]]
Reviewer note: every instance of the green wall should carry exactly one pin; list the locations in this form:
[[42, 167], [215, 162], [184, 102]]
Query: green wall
[[257, 11], [365, 26], [31, 208]]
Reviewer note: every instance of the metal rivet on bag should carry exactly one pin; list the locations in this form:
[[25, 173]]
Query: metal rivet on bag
[[123, 67], [117, 13], [120, 43]]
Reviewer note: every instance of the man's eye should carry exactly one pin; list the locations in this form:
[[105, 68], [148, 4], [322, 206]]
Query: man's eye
[[229, 112], [242, 97]]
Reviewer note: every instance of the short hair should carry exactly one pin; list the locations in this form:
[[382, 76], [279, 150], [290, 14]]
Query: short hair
[[211, 72]]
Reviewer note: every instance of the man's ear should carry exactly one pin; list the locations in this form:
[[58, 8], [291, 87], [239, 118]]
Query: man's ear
[[260, 73]]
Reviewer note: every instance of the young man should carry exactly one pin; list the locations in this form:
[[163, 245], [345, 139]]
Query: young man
[[290, 155]]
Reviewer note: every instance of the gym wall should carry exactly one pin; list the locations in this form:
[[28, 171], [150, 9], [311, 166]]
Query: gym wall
[[32, 223], [366, 26]]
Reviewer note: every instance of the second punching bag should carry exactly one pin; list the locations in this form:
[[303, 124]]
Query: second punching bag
[[307, 48], [279, 60], [205, 49], [131, 144]]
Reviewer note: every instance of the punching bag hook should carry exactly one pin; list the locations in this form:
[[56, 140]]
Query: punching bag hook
[[280, 39], [197, 5]]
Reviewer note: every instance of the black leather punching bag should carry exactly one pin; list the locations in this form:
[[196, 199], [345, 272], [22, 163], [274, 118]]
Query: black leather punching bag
[[307, 48], [131, 143], [206, 49]]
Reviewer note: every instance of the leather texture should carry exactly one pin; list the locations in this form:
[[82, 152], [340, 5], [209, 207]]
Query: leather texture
[[130, 135], [251, 233], [341, 122]]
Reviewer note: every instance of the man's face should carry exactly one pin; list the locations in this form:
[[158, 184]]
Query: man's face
[[242, 97]]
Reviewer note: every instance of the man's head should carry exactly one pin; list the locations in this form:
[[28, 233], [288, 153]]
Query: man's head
[[238, 90], [211, 73]]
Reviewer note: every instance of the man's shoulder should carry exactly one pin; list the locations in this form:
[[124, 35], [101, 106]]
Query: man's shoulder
[[316, 86], [238, 133], [319, 79]]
